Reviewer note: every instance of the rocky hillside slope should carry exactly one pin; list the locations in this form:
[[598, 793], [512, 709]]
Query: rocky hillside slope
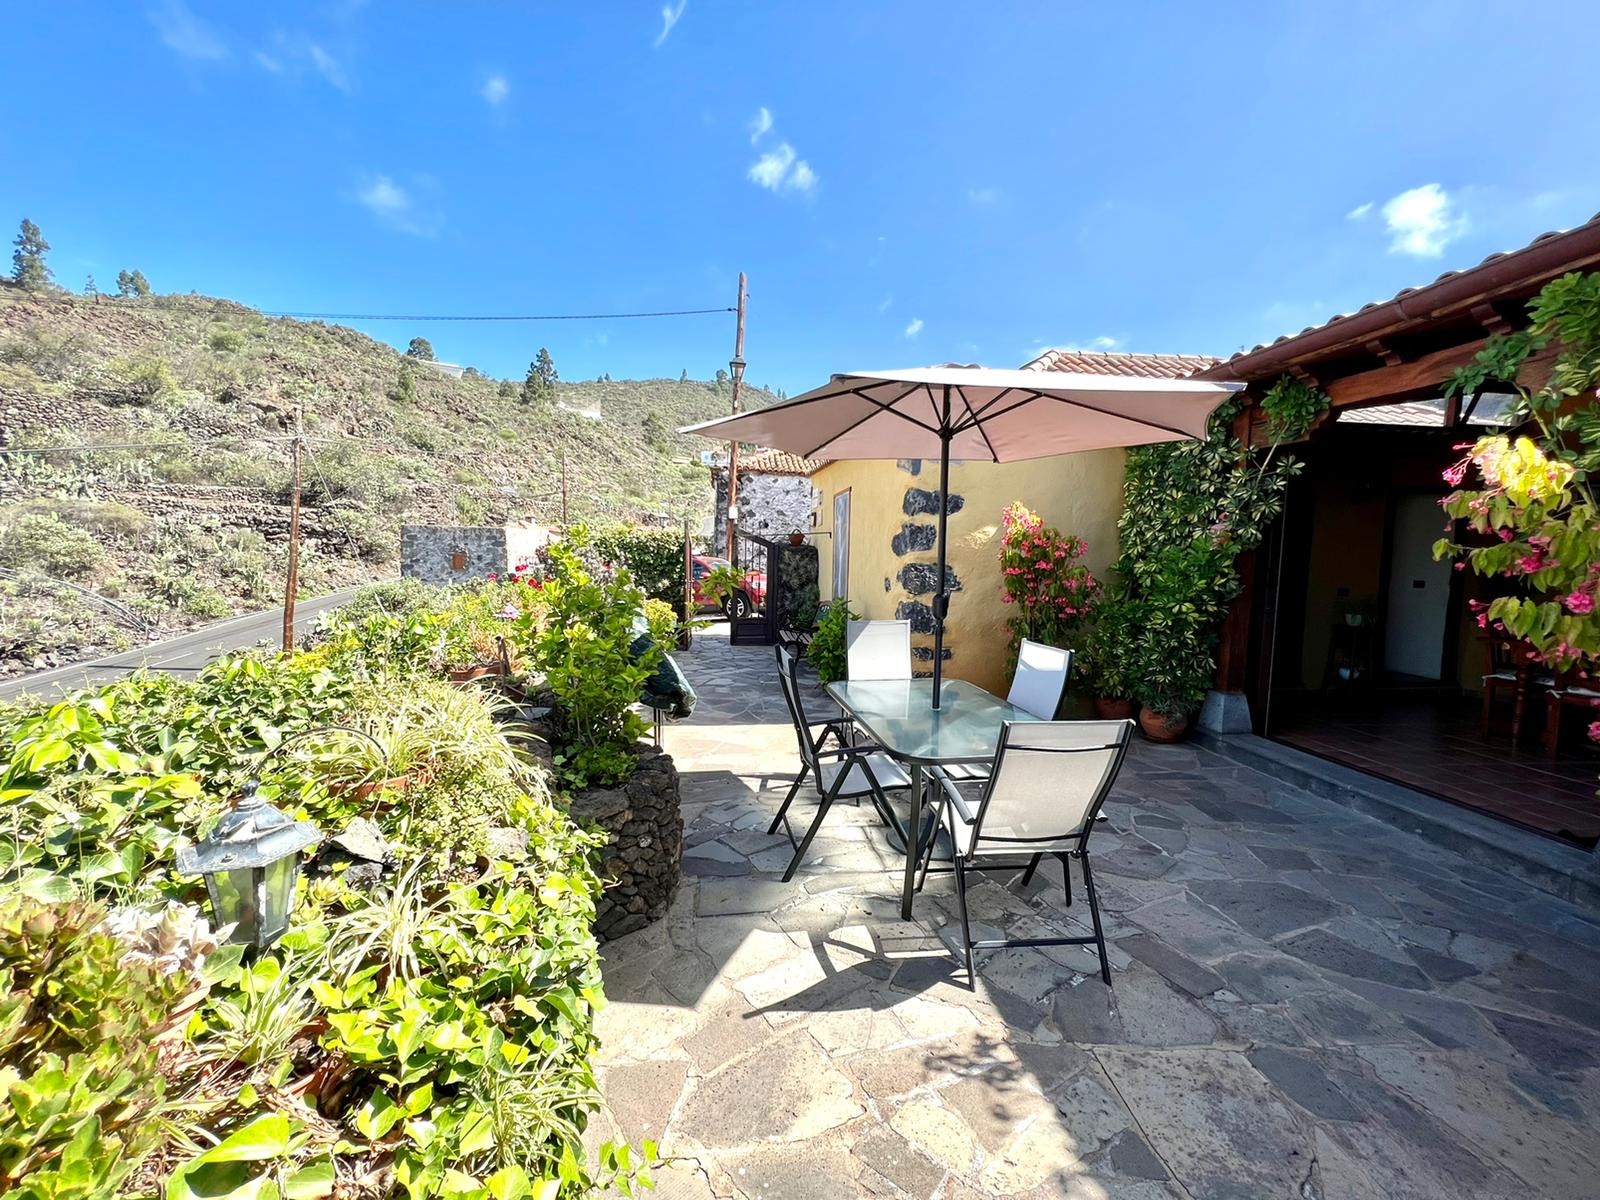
[[184, 520]]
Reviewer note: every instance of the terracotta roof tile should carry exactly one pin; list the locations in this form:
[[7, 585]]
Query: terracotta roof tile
[[1116, 362], [776, 462]]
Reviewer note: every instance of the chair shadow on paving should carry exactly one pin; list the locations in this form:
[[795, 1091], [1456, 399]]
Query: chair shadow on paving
[[1305, 1002]]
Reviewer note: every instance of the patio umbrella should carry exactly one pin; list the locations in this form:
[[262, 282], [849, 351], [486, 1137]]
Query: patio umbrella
[[965, 413]]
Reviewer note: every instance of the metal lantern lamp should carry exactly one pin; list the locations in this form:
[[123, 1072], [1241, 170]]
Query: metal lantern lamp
[[251, 863], [736, 367]]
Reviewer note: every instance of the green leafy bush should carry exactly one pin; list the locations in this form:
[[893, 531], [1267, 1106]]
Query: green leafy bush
[[42, 541], [145, 380], [654, 557], [225, 339], [80, 1078], [828, 650], [583, 644]]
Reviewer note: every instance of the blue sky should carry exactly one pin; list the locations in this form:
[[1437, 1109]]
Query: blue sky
[[904, 182]]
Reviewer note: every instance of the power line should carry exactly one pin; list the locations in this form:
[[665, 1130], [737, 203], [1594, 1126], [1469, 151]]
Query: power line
[[616, 316]]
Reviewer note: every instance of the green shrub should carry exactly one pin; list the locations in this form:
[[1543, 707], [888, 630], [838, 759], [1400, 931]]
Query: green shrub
[[80, 1081], [654, 557], [828, 649], [46, 543], [106, 518], [145, 380], [403, 597], [225, 339], [208, 604], [584, 647]]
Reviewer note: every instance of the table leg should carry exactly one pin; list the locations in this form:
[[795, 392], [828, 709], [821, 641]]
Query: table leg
[[913, 843]]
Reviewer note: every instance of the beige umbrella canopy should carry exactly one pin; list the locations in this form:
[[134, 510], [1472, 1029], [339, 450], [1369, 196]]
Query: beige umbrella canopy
[[965, 413]]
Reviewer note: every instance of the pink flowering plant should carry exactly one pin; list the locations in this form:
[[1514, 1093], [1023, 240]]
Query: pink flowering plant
[[1042, 575], [1528, 498]]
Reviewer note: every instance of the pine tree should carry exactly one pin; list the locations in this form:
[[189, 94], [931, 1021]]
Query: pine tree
[[30, 269], [132, 283], [539, 388], [89, 288], [420, 348], [684, 378]]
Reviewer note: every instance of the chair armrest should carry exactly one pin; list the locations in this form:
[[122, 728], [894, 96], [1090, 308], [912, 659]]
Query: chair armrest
[[954, 796]]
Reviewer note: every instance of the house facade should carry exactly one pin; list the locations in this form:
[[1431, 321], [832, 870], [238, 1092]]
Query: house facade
[[1350, 641], [776, 497], [877, 521]]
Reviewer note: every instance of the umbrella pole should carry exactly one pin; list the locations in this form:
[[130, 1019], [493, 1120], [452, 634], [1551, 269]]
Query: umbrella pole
[[941, 601]]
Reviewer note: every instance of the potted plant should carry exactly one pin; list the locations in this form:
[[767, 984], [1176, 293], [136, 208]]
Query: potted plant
[[1107, 656], [1174, 657], [796, 538]]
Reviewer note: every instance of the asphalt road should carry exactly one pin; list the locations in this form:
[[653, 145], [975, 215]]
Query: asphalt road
[[183, 654]]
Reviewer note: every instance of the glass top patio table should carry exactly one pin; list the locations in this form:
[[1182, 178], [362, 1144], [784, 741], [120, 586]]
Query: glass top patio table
[[900, 717]]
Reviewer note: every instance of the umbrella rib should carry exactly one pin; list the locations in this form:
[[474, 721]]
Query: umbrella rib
[[1183, 433], [881, 407], [977, 424], [978, 416]]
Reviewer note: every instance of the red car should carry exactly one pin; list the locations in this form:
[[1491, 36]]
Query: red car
[[755, 587]]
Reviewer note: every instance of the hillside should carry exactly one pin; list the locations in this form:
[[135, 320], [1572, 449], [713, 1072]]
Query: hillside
[[187, 523]]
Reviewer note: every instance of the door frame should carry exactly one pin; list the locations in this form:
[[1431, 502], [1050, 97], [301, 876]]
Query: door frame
[[841, 546]]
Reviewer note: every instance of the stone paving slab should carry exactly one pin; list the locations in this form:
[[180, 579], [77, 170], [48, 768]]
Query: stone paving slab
[[1306, 1003]]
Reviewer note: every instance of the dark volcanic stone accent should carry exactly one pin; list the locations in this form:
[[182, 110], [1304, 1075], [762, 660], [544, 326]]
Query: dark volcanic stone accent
[[644, 856], [925, 654], [919, 614], [911, 466], [922, 579], [914, 538], [920, 501]]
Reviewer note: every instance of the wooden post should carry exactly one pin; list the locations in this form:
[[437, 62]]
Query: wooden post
[[737, 366], [292, 584], [563, 493]]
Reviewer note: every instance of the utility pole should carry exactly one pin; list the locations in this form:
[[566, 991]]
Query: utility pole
[[563, 493], [292, 584], [736, 368]]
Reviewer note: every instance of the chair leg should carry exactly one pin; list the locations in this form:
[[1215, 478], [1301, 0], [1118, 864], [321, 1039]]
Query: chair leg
[[1066, 878], [1552, 725], [966, 924], [805, 769], [1033, 865], [816, 824], [1488, 706], [1094, 914]]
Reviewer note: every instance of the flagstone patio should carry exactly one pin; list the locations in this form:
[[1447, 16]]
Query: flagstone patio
[[1307, 1003]]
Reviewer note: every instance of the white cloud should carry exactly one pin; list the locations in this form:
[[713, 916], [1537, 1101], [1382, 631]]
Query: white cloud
[[914, 328], [983, 196], [1422, 221], [268, 62], [669, 18], [328, 67], [1359, 211], [779, 170], [883, 305], [187, 34], [495, 89], [760, 124], [769, 170], [395, 207]]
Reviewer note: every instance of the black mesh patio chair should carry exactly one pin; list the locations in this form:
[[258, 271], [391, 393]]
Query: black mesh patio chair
[[1049, 782], [846, 772]]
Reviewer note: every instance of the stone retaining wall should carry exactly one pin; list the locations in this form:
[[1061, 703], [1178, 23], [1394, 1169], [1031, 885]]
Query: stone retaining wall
[[644, 856]]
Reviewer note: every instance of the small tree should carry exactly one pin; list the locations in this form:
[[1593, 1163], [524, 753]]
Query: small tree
[[405, 388], [27, 260], [722, 377], [539, 388], [132, 283], [684, 377], [89, 288], [420, 348]]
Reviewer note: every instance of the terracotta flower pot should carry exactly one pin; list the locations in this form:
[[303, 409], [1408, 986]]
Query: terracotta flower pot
[[1163, 727], [468, 674], [1108, 709], [797, 539]]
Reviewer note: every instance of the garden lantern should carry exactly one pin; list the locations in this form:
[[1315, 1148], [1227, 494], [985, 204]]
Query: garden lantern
[[736, 368], [251, 863]]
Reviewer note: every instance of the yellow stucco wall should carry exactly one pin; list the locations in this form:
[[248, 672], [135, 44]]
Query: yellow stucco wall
[[1077, 493]]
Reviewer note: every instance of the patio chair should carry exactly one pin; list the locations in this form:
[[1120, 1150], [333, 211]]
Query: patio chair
[[1572, 691], [1050, 780], [846, 772], [1510, 667], [1036, 688], [878, 649]]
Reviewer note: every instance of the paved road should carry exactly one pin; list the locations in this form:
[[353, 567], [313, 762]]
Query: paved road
[[186, 653]]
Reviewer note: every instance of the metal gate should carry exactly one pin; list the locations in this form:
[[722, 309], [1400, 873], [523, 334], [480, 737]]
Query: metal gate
[[753, 611]]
